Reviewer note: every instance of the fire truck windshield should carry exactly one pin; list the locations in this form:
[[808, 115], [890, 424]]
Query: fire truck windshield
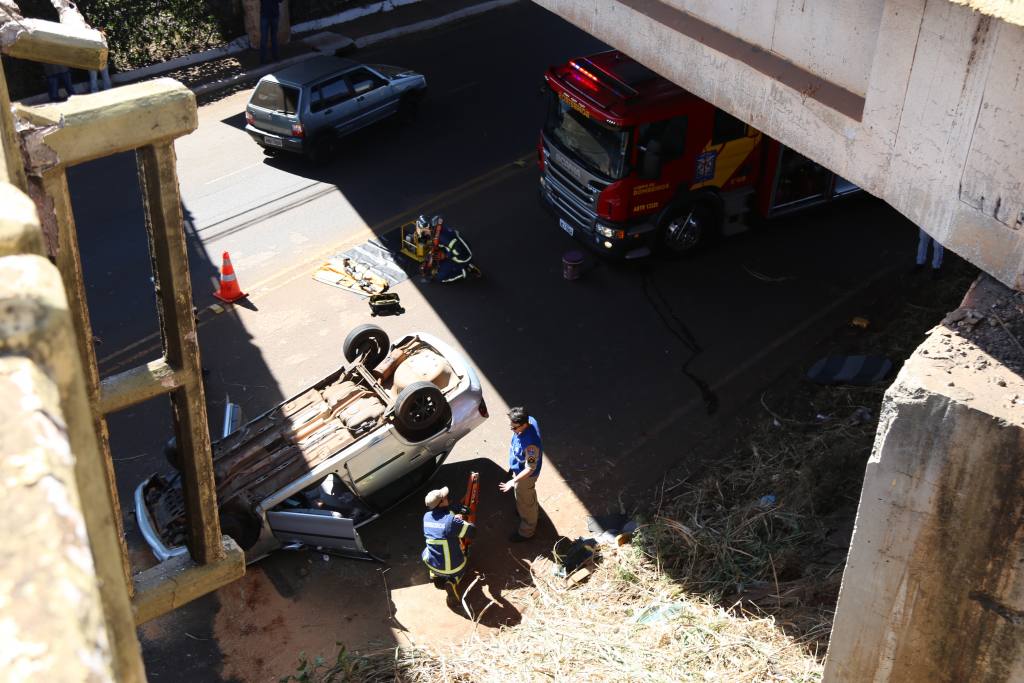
[[600, 147]]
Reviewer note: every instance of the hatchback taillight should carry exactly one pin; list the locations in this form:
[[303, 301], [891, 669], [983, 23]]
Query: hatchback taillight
[[297, 130], [250, 119]]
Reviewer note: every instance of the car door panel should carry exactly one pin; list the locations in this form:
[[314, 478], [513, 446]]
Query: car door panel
[[313, 527], [371, 92]]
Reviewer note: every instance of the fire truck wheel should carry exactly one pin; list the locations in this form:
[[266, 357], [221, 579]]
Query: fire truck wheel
[[687, 227], [244, 527], [421, 411], [368, 341]]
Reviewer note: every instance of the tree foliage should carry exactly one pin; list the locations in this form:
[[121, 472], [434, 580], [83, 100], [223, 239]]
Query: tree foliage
[[141, 32]]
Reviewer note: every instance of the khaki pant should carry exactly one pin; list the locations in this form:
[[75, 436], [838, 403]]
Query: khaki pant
[[526, 506]]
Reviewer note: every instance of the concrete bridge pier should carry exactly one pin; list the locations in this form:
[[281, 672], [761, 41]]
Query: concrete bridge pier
[[934, 584]]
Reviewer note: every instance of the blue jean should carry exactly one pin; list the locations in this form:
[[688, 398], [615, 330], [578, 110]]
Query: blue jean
[[54, 82], [95, 78], [923, 240], [268, 29]]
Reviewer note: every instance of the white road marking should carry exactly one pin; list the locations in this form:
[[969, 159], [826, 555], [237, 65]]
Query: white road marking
[[235, 172]]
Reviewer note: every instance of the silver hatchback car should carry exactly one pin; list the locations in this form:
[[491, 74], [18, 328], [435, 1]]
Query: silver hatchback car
[[307, 107], [314, 469]]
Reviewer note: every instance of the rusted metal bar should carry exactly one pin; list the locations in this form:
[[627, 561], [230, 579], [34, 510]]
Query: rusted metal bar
[[35, 323], [159, 182], [179, 580], [138, 384]]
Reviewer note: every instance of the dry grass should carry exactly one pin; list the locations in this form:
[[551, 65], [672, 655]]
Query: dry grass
[[767, 528], [588, 633]]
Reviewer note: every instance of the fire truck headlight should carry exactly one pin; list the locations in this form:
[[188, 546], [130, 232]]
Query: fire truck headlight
[[610, 233]]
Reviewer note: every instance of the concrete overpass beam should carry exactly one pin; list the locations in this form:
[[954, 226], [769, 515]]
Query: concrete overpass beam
[[919, 103], [934, 584]]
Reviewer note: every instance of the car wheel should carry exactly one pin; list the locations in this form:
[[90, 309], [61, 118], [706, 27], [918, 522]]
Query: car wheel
[[408, 106], [368, 341], [687, 227], [318, 150], [421, 411], [172, 454], [244, 527]]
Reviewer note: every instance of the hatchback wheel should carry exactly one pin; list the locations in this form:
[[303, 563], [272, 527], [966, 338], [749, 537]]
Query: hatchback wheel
[[421, 411]]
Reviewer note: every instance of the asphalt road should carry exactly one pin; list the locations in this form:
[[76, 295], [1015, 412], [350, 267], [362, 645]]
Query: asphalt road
[[629, 369]]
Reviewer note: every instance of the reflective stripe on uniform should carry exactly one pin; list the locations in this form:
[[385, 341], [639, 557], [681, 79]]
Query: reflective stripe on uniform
[[443, 542], [461, 275]]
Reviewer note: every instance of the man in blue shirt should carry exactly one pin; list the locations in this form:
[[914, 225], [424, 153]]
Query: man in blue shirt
[[525, 457], [443, 529]]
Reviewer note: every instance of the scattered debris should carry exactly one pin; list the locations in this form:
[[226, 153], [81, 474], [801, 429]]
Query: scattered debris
[[861, 322], [571, 555], [855, 370], [660, 612], [354, 276]]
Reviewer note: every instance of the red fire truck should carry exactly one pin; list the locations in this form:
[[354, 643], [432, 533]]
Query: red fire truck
[[632, 163]]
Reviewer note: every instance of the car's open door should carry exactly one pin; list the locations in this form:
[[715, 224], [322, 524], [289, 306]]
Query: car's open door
[[318, 528]]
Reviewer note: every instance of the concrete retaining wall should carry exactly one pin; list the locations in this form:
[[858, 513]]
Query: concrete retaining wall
[[934, 584]]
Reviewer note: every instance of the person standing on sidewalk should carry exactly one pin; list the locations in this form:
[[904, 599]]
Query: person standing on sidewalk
[[270, 17], [525, 457], [58, 76], [97, 77], [923, 240]]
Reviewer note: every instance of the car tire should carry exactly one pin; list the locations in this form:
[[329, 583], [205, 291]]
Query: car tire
[[408, 107], [318, 150], [369, 341], [244, 527], [687, 226], [421, 411], [172, 454]]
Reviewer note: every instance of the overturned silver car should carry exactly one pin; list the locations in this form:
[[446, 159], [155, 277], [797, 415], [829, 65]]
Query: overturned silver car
[[317, 467]]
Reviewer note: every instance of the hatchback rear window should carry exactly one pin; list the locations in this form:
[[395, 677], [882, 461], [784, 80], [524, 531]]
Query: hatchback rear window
[[276, 97]]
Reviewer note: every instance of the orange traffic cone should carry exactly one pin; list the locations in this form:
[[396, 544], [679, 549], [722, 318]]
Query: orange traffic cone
[[229, 289]]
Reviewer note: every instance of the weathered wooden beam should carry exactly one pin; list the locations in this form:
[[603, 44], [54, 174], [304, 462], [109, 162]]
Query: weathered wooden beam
[[12, 170], [138, 384], [106, 123], [71, 44], [35, 323], [179, 580], [19, 224], [158, 179]]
